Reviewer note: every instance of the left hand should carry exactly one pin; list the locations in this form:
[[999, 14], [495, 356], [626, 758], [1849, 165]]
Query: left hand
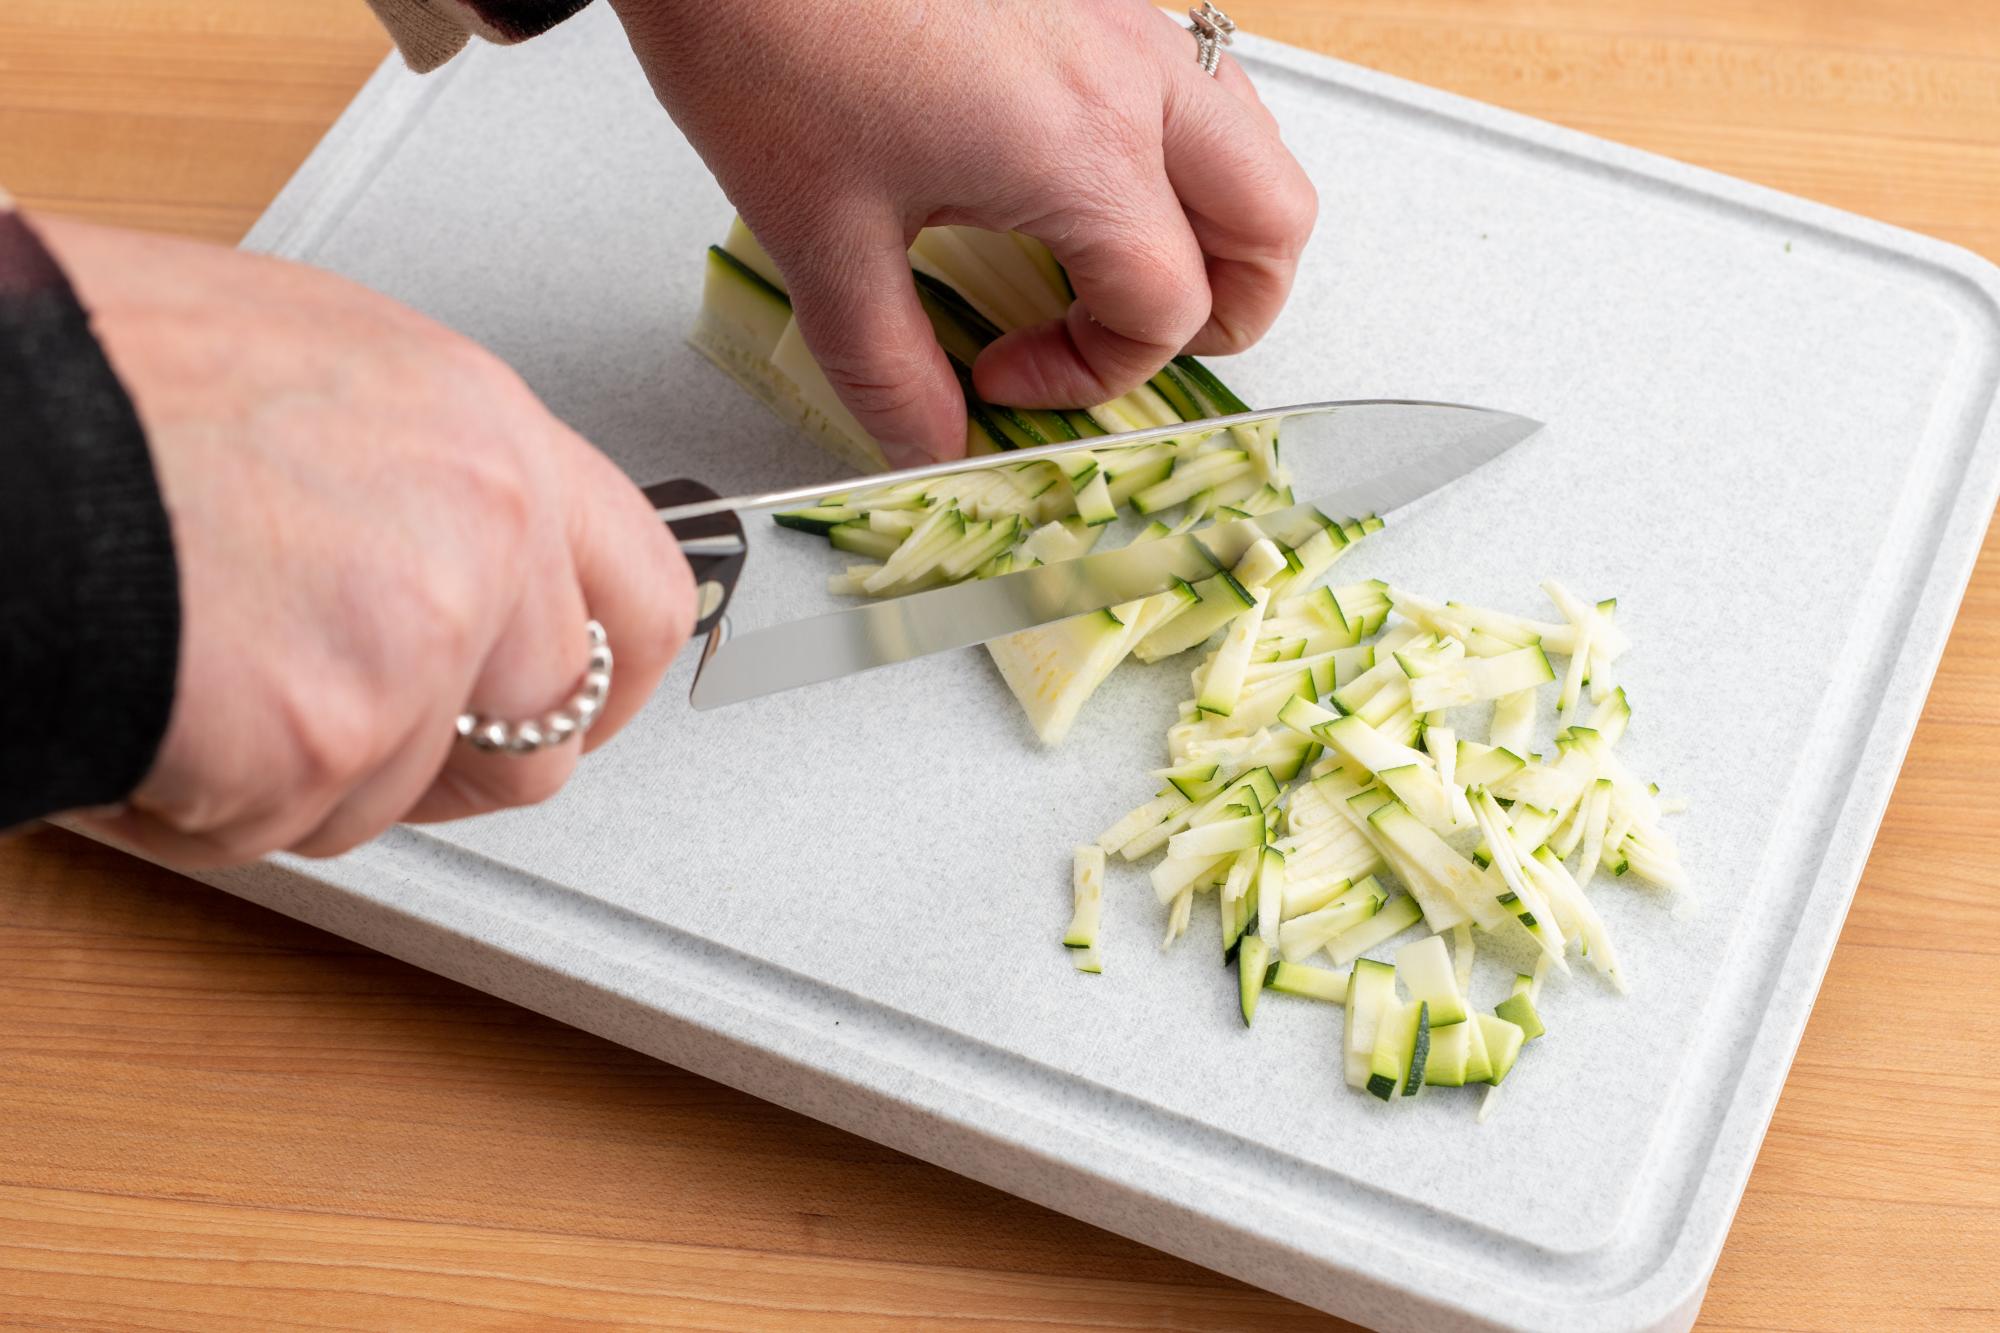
[[839, 128]]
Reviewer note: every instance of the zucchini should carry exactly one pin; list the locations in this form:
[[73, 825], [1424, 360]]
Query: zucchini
[[1396, 915], [1450, 1048], [1087, 882], [1519, 1008], [1503, 1045], [1318, 983], [1221, 599], [1309, 685], [1371, 989], [754, 310], [1402, 1048], [1425, 969], [1250, 966]]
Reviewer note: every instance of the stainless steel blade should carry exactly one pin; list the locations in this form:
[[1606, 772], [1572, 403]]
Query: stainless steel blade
[[1356, 413], [1414, 447]]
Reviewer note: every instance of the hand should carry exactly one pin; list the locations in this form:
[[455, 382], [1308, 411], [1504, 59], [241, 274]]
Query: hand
[[838, 128], [376, 525]]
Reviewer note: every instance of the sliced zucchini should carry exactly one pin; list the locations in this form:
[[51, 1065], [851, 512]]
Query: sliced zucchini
[[1396, 915], [1474, 679], [1485, 765], [1514, 723], [1519, 1008], [1451, 1047], [1214, 839], [1318, 983], [1303, 936], [857, 538], [1142, 818], [1061, 539], [1093, 503], [1425, 969], [1087, 887], [1271, 893], [1402, 1046], [1052, 669], [1224, 683], [1432, 862], [1186, 479], [1221, 600], [1478, 1060], [742, 305], [817, 519], [1236, 914], [1503, 1045], [1251, 957], [1371, 990]]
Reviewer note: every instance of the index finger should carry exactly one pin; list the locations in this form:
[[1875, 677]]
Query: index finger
[[635, 581], [1141, 294]]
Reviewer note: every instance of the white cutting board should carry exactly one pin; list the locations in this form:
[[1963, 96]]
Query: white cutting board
[[1772, 437]]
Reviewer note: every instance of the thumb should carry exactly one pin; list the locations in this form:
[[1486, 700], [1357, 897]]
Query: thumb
[[856, 306]]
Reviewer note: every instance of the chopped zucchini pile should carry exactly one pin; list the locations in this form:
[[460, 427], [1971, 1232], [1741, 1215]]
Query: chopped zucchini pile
[[976, 285], [1322, 785]]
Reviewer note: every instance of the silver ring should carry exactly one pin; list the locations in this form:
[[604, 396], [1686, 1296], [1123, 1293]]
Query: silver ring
[[551, 729], [1212, 31]]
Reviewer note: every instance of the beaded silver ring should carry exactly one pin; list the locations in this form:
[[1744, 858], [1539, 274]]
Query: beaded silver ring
[[572, 719]]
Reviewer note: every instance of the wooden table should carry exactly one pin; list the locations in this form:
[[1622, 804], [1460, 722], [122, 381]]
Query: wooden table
[[213, 1118]]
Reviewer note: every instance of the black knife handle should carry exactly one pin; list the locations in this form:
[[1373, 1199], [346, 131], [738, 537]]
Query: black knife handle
[[713, 544]]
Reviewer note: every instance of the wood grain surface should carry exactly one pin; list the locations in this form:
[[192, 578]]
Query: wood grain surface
[[212, 1118]]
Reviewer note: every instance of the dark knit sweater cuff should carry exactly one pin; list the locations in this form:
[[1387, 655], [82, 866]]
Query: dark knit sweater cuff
[[89, 591], [431, 32]]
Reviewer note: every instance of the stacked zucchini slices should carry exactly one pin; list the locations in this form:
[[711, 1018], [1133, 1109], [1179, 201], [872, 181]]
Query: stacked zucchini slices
[[1322, 786], [976, 285]]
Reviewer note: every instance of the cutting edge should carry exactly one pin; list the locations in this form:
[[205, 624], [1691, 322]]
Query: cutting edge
[[1014, 457]]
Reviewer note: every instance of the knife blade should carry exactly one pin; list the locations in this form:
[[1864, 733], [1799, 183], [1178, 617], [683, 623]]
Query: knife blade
[[1360, 459]]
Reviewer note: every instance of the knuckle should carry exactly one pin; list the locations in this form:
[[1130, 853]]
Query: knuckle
[[326, 842], [197, 813], [870, 391], [1175, 292], [494, 484], [336, 737], [443, 612], [1295, 206], [1277, 228], [879, 380], [1224, 337], [207, 808]]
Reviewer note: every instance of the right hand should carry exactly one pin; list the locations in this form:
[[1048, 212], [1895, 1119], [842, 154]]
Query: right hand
[[377, 525]]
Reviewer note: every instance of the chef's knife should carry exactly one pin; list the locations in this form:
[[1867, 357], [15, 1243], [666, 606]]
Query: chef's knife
[[1357, 459]]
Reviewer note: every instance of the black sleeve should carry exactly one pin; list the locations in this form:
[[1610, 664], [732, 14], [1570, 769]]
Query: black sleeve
[[89, 595], [431, 32]]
